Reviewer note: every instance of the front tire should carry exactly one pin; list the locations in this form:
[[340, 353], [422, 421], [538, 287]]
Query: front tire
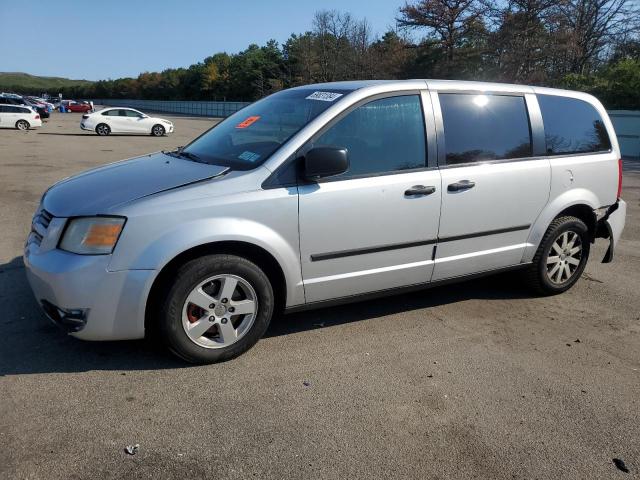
[[22, 125], [103, 129], [561, 257], [157, 131], [217, 307]]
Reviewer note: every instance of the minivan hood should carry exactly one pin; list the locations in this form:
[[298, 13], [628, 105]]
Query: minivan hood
[[99, 190]]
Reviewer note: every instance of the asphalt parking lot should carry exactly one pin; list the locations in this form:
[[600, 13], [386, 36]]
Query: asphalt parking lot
[[474, 380]]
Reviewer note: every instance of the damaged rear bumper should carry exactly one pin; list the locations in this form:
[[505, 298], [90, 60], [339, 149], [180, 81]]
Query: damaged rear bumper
[[611, 225]]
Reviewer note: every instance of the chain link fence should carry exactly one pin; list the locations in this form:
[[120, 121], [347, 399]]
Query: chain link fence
[[195, 108], [627, 125]]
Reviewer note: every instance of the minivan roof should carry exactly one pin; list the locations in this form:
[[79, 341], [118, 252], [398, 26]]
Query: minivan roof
[[459, 85]]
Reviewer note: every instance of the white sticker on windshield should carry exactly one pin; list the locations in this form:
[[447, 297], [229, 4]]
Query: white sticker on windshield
[[249, 156], [324, 96]]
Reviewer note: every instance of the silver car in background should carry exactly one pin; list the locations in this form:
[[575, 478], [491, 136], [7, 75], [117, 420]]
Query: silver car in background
[[324, 194]]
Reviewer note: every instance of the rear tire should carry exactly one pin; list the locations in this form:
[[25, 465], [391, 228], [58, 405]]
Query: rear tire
[[561, 257], [103, 129], [202, 315], [157, 131], [22, 125]]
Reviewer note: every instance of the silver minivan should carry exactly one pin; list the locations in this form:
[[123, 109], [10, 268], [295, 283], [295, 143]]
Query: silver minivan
[[324, 194]]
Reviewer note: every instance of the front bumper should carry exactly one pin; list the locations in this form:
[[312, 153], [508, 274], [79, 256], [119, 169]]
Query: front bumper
[[78, 293], [611, 226]]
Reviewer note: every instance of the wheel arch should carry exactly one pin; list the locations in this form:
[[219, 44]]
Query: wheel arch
[[258, 255], [95, 129], [585, 213], [580, 203]]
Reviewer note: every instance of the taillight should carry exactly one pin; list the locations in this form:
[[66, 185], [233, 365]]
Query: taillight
[[37, 116], [619, 178]]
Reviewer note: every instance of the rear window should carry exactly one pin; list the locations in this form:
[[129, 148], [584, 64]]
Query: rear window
[[479, 127], [572, 126]]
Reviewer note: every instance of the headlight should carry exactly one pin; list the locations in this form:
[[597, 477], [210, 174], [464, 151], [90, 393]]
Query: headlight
[[92, 235]]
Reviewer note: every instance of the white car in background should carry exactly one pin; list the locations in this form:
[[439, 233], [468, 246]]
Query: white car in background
[[125, 120], [20, 117]]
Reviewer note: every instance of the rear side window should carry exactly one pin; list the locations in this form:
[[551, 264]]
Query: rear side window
[[572, 126], [385, 135], [111, 113], [480, 127], [23, 110]]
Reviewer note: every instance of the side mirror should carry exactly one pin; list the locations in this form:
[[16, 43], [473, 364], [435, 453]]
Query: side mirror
[[321, 162]]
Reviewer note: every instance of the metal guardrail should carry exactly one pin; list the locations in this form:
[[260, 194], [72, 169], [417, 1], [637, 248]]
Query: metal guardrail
[[183, 107]]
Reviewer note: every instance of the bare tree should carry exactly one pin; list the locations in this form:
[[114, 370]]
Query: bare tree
[[592, 26], [522, 41], [447, 21]]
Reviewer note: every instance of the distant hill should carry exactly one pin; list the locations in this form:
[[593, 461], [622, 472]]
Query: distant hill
[[23, 82]]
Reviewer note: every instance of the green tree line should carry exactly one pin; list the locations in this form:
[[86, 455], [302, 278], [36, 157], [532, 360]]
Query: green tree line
[[589, 45]]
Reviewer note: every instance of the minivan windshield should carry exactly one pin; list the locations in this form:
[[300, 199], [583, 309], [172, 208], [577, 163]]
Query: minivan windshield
[[248, 137]]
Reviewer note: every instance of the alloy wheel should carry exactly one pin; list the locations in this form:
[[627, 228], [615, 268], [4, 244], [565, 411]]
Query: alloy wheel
[[219, 311], [564, 257]]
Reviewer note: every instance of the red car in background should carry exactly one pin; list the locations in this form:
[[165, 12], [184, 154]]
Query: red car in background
[[78, 107]]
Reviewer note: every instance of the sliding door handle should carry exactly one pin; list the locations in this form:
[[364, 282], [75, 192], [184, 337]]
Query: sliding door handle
[[420, 190], [461, 185]]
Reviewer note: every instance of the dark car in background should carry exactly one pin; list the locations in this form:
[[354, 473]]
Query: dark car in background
[[41, 109]]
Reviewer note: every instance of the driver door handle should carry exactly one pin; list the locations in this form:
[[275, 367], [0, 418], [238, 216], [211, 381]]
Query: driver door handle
[[420, 190], [461, 185]]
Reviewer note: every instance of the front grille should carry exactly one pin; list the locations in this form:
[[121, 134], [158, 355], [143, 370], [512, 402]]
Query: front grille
[[39, 226]]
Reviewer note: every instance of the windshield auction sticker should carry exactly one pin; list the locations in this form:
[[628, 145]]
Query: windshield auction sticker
[[248, 121], [249, 156], [324, 96]]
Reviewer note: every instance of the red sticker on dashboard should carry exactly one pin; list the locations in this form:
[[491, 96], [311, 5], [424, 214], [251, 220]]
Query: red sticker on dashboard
[[248, 122]]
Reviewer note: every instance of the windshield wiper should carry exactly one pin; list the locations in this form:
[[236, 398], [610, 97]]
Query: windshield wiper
[[190, 156], [179, 152]]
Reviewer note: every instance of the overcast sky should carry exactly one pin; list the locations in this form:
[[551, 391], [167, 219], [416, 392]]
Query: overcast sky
[[115, 38]]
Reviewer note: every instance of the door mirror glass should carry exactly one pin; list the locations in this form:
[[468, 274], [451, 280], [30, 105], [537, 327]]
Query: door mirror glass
[[321, 162]]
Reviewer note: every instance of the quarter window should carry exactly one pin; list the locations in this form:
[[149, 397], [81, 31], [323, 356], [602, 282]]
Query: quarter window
[[480, 127], [572, 126], [385, 135]]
